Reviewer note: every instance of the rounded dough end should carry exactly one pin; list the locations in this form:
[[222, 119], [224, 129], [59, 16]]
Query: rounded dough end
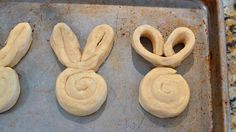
[[9, 88]]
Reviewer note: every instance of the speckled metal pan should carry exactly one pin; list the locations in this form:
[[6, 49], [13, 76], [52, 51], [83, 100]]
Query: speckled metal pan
[[205, 69]]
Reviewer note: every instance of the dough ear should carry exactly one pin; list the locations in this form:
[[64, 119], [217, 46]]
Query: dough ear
[[180, 35], [65, 45], [99, 44], [153, 35], [17, 44]]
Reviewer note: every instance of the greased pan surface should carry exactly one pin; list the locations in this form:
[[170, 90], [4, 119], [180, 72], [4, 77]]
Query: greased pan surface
[[204, 69]]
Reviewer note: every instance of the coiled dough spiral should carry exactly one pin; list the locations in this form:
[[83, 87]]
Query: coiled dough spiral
[[80, 92], [17, 44], [164, 93], [169, 58]]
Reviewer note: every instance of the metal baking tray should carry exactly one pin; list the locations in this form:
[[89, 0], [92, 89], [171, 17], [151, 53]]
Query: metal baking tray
[[205, 69]]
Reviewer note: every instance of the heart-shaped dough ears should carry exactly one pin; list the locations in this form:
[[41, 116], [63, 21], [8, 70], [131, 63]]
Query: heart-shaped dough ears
[[66, 46], [99, 43], [17, 44], [171, 59]]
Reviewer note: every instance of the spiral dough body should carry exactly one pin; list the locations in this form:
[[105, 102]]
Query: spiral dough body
[[80, 92], [164, 93]]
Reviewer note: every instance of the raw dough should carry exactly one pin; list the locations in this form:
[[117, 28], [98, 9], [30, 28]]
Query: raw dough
[[164, 93], [9, 88], [171, 59], [67, 48], [79, 90], [17, 44]]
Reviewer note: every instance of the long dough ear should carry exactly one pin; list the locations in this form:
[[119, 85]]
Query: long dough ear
[[65, 45], [17, 44], [99, 43]]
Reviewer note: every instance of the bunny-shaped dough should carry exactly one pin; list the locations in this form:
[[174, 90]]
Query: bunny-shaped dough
[[17, 44], [79, 89], [162, 92]]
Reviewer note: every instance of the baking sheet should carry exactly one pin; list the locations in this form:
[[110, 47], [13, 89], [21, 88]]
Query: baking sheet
[[37, 108]]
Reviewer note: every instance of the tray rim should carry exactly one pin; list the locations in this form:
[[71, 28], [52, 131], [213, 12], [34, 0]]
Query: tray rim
[[224, 67]]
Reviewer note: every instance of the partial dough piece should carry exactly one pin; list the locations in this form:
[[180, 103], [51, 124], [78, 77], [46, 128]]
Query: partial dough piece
[[17, 44], [79, 92], [67, 48], [171, 59], [163, 93], [9, 88]]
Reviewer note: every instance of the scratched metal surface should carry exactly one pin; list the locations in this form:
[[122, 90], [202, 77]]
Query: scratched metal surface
[[37, 109]]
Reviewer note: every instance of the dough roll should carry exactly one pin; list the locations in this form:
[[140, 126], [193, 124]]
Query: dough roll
[[80, 92]]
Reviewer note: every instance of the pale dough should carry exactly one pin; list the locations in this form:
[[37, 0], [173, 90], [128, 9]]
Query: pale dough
[[17, 44], [9, 88], [79, 90], [164, 93], [170, 58], [67, 48]]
